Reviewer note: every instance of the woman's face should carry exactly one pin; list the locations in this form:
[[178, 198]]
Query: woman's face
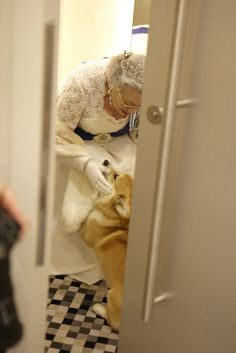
[[125, 100]]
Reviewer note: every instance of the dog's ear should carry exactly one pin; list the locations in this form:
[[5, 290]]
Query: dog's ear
[[122, 206]]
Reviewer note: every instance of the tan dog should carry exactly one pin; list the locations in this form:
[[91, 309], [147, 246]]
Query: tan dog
[[106, 231]]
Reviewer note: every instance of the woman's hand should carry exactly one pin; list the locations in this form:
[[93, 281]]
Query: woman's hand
[[92, 169], [94, 172], [9, 204]]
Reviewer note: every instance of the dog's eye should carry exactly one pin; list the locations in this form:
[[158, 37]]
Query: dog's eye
[[115, 176]]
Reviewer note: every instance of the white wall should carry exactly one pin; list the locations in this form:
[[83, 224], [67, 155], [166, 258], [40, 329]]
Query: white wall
[[92, 29], [5, 86]]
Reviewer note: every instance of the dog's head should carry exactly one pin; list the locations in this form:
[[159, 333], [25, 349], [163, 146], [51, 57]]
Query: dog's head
[[120, 197]]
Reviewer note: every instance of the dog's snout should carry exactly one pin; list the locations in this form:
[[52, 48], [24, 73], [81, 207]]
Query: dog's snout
[[106, 163]]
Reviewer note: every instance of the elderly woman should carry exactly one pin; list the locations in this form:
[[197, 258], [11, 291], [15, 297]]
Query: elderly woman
[[95, 105]]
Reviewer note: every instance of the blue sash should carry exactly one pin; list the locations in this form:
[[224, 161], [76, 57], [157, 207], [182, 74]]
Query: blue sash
[[131, 125], [87, 136]]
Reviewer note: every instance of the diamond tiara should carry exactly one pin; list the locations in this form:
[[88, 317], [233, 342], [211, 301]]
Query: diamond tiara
[[131, 71]]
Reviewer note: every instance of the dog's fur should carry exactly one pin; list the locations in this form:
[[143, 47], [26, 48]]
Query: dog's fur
[[106, 231]]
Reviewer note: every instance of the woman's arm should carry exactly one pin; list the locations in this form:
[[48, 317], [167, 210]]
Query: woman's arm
[[10, 205], [72, 101]]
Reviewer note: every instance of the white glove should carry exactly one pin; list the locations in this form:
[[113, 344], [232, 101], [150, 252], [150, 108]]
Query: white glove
[[94, 171]]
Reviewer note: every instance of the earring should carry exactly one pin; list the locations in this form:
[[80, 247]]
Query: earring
[[126, 54]]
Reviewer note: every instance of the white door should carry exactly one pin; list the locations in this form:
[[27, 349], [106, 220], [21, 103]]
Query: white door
[[180, 288], [29, 40], [33, 54]]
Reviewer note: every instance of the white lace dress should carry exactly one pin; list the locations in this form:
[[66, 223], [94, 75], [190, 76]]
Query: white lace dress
[[80, 104]]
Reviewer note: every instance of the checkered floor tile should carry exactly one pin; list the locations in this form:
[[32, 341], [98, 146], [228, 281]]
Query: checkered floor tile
[[71, 324]]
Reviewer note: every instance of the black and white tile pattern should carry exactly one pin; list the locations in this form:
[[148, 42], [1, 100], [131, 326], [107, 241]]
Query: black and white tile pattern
[[71, 324]]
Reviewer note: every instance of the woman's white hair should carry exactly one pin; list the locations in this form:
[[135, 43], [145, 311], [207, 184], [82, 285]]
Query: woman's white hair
[[126, 69]]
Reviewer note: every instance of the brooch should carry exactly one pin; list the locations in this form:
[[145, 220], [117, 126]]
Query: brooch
[[103, 139]]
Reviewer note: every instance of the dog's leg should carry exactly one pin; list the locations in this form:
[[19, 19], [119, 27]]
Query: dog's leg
[[114, 300], [111, 313]]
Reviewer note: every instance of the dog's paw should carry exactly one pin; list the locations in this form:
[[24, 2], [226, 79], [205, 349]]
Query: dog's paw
[[100, 310]]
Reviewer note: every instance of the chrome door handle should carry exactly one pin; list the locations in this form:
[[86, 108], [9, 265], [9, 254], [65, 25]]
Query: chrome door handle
[[155, 113], [169, 111], [162, 297]]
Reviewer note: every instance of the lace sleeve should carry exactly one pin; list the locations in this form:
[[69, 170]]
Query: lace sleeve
[[71, 102]]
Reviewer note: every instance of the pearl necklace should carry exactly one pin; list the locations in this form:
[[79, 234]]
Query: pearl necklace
[[110, 102], [109, 97]]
